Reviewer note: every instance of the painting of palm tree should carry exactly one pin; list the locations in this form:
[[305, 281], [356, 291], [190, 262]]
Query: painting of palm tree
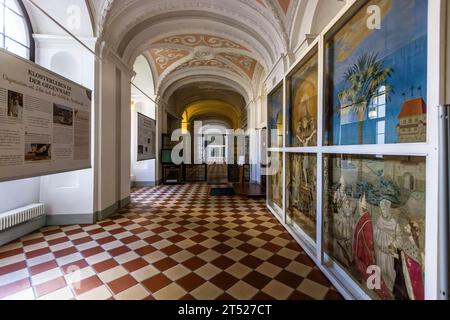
[[364, 80]]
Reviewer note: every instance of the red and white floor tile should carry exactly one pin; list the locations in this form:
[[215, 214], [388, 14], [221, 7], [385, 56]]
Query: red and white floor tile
[[172, 242]]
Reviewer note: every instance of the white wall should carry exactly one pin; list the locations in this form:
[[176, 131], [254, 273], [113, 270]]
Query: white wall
[[18, 193], [142, 172], [125, 136], [106, 130], [72, 14], [72, 192]]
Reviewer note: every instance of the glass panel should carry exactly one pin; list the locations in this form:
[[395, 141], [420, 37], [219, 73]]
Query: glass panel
[[2, 22], [15, 27], [276, 118], [16, 48], [303, 106], [301, 191], [374, 222], [378, 73], [12, 4], [275, 171]]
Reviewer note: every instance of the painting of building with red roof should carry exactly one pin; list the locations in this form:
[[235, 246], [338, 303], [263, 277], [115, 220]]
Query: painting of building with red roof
[[412, 121]]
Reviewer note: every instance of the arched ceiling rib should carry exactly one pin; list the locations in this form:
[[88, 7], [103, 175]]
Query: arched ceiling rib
[[200, 91], [194, 77], [212, 110]]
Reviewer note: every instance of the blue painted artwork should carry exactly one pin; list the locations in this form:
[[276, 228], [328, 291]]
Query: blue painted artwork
[[376, 76]]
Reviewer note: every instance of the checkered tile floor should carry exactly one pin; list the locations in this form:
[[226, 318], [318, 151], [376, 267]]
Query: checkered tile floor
[[172, 242]]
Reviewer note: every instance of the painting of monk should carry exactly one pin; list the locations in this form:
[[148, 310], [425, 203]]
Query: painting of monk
[[374, 221]]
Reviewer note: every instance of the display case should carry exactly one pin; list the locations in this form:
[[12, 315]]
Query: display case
[[359, 155], [172, 174]]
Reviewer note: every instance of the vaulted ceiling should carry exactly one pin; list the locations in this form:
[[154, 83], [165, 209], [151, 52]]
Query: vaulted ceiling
[[234, 43], [239, 40]]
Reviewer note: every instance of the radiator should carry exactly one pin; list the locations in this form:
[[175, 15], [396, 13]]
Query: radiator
[[15, 217]]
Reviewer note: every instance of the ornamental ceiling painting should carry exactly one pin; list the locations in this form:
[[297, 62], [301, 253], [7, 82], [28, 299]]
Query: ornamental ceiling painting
[[196, 40], [180, 52], [164, 58]]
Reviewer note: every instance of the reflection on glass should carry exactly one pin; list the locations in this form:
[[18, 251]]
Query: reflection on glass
[[303, 105], [276, 179], [376, 78], [276, 118], [13, 29], [374, 222], [301, 191]]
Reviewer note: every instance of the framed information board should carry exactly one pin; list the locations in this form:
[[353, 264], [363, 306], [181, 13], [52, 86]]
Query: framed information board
[[146, 144], [45, 121]]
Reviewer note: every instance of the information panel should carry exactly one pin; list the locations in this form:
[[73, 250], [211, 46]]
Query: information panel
[[45, 121], [146, 144]]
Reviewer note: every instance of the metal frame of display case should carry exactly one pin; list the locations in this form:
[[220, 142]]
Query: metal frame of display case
[[276, 210], [349, 288]]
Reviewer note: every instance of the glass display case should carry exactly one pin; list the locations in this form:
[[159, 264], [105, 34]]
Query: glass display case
[[358, 188]]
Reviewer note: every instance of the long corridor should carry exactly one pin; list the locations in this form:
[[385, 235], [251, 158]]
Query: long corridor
[[172, 242]]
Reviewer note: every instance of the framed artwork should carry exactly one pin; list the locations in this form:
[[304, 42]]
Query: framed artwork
[[376, 78], [276, 126], [374, 222], [302, 111], [275, 194], [301, 192]]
